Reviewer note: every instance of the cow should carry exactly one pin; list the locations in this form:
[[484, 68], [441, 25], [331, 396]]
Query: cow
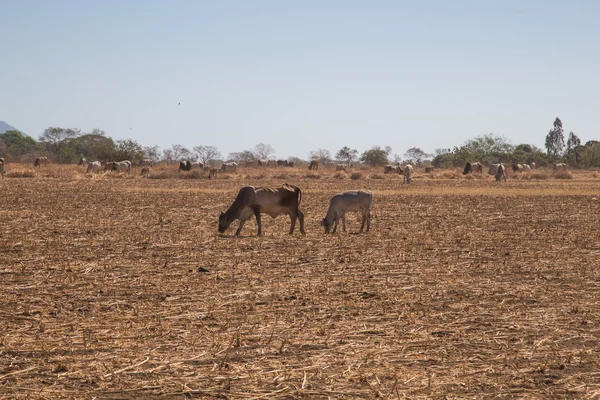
[[493, 169], [212, 173], [559, 166], [473, 167], [249, 164], [229, 167], [290, 164], [282, 163], [146, 162], [314, 165], [330, 164], [190, 165], [255, 201], [93, 167], [122, 166], [388, 169], [517, 167], [350, 201], [183, 166], [272, 164], [145, 171], [207, 168], [341, 167], [109, 166], [428, 170], [2, 167], [261, 163], [532, 165], [500, 173], [526, 168], [40, 162], [408, 173], [82, 161]]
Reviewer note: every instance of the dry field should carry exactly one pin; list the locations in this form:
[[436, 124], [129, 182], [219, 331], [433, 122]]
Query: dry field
[[118, 288]]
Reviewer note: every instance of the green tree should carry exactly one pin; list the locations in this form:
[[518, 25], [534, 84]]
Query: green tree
[[129, 149], [324, 156], [15, 146], [555, 139], [574, 150], [416, 154], [376, 156], [57, 141], [590, 156], [347, 155], [94, 146], [207, 153]]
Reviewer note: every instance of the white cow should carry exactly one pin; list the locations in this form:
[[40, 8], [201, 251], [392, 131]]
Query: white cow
[[93, 167], [408, 173], [147, 162], [559, 166], [500, 173], [493, 169], [526, 168], [230, 167], [122, 166], [350, 201], [341, 167]]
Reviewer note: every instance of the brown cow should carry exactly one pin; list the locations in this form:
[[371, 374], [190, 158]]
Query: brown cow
[[272, 164], [212, 173], [40, 162], [314, 165], [473, 167], [82, 161], [255, 201], [145, 171], [388, 169]]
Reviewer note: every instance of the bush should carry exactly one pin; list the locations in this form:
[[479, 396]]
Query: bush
[[356, 175], [340, 175], [562, 175], [539, 176]]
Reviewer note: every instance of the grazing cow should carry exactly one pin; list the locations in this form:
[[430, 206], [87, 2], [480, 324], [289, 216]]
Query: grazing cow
[[282, 163], [212, 173], [388, 169], [40, 162], [408, 173], [272, 164], [229, 167], [290, 164], [341, 167], [330, 164], [532, 165], [109, 166], [559, 166], [473, 167], [122, 166], [82, 161], [526, 168], [493, 169], [190, 165], [183, 166], [249, 164], [261, 200], [350, 201], [207, 168], [261, 163], [2, 167], [93, 167], [517, 167], [500, 173], [314, 165], [145, 171], [428, 170], [146, 162]]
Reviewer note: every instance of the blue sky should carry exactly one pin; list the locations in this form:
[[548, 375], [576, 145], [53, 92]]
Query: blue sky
[[304, 75]]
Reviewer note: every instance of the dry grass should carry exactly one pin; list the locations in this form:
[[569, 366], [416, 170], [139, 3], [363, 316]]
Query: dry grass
[[562, 175], [356, 175], [135, 295], [340, 175]]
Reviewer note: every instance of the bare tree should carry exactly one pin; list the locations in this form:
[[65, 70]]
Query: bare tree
[[207, 153], [180, 153], [152, 152], [322, 155], [242, 156], [263, 151]]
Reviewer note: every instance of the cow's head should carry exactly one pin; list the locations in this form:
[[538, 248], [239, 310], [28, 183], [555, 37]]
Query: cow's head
[[468, 168], [326, 224], [223, 223]]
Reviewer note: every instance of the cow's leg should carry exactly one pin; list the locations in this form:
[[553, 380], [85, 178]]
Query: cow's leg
[[301, 219], [239, 230], [368, 220], [335, 222], [344, 222], [293, 218], [364, 219], [258, 221]]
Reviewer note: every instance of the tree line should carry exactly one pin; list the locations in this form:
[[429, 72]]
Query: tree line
[[66, 146]]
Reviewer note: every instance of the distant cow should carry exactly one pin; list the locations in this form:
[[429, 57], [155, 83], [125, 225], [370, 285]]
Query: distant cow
[[145, 171], [408, 173], [249, 164], [109, 166], [229, 167], [500, 173], [40, 162], [350, 201], [341, 167], [428, 170], [559, 166], [388, 169], [190, 165], [330, 164], [81, 162], [261, 163], [314, 165], [473, 167], [282, 163], [146, 162], [290, 164], [2, 167], [517, 167], [526, 168], [532, 165], [272, 164], [122, 166], [93, 167], [261, 200], [493, 169], [212, 173]]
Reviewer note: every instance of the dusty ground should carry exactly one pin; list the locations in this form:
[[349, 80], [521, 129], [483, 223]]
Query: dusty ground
[[122, 288]]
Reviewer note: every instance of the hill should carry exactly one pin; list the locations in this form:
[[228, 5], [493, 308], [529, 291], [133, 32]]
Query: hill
[[6, 127]]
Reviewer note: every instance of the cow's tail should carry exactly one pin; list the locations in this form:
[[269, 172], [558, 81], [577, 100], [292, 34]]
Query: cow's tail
[[298, 192]]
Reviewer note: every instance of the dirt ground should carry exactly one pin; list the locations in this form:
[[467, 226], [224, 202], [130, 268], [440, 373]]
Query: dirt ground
[[121, 288]]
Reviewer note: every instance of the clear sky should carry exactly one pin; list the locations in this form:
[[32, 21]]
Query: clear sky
[[302, 75]]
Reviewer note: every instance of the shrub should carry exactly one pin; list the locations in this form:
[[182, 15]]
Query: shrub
[[340, 175], [562, 175], [356, 175], [539, 176], [312, 175]]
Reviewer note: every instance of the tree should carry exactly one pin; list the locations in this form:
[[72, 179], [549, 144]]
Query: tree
[[590, 156], [555, 139], [242, 157], [152, 152], [180, 153], [57, 141], [347, 155], [95, 146], [207, 153], [15, 146], [374, 157], [324, 156], [263, 151], [574, 149], [416, 154], [388, 150], [129, 149], [525, 148]]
